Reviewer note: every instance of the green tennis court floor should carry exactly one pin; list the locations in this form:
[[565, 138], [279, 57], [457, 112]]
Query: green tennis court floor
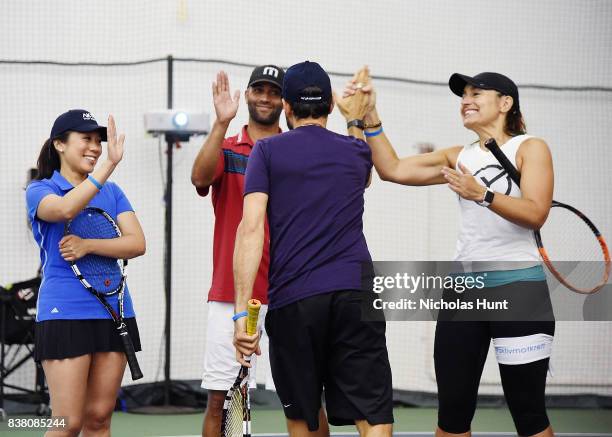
[[419, 421], [414, 422]]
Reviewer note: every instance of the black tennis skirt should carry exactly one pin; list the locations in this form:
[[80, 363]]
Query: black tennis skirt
[[58, 339]]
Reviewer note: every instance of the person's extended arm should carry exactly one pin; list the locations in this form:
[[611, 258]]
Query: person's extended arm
[[422, 169], [130, 245], [53, 208], [355, 108], [205, 164], [248, 250], [530, 211]]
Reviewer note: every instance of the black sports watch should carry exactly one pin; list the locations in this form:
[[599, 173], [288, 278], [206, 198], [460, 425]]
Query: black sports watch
[[357, 123], [488, 198]]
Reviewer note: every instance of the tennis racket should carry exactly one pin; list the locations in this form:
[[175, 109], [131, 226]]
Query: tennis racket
[[580, 241], [236, 420], [103, 276]]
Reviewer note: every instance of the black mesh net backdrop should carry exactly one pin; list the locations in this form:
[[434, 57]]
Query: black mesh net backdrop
[[558, 53]]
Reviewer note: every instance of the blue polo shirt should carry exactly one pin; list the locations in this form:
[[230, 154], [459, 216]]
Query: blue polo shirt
[[315, 180], [61, 295]]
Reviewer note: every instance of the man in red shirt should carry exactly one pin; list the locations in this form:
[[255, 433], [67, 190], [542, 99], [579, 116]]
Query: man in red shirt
[[221, 163]]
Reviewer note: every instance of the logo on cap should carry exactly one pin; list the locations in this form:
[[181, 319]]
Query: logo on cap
[[302, 76], [270, 71], [77, 120], [267, 73]]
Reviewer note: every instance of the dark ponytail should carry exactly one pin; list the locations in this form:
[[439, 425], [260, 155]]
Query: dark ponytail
[[49, 160], [515, 124]]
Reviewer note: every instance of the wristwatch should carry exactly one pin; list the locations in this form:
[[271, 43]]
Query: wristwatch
[[488, 198], [357, 123]]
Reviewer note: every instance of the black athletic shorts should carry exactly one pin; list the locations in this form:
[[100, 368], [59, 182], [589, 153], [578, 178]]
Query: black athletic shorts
[[58, 339], [320, 344]]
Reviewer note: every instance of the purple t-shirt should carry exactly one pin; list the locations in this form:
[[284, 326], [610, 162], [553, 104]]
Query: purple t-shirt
[[315, 180]]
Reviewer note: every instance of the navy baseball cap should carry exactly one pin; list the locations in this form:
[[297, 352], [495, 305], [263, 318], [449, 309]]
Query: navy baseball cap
[[303, 75], [268, 74], [485, 81], [77, 120]]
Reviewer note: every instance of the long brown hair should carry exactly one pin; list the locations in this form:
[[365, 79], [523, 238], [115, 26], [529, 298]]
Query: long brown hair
[[48, 159]]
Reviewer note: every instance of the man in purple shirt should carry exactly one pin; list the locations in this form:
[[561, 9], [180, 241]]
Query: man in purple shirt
[[310, 182]]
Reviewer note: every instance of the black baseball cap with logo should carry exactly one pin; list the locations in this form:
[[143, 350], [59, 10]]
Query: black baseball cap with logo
[[77, 120], [268, 74], [485, 81]]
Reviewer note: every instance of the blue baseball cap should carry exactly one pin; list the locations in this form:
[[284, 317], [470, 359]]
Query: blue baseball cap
[[77, 120], [303, 75]]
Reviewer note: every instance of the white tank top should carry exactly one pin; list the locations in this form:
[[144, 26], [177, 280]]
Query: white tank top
[[484, 235]]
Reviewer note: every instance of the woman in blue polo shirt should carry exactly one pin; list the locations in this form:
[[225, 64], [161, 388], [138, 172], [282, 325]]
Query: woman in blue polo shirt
[[76, 340]]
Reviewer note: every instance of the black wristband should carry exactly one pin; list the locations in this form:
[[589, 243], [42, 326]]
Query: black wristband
[[487, 199], [356, 123]]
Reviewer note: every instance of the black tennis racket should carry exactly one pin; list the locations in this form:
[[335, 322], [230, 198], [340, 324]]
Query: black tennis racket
[[579, 241], [103, 276], [236, 420]]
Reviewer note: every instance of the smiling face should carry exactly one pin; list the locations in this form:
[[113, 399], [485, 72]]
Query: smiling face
[[264, 103], [80, 152], [482, 107]]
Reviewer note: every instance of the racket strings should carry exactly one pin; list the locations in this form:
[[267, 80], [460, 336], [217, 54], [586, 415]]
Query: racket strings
[[92, 224], [102, 273], [235, 415], [573, 250]]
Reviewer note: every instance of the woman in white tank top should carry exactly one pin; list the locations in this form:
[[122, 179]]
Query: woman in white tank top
[[497, 220]]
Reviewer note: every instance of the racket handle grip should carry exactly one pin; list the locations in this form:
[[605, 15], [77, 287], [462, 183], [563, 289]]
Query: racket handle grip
[[131, 355], [253, 307], [491, 144]]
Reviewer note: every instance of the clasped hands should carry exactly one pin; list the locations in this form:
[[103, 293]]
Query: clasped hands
[[358, 102], [358, 99]]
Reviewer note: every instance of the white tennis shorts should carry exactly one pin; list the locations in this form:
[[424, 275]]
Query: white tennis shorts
[[220, 365]]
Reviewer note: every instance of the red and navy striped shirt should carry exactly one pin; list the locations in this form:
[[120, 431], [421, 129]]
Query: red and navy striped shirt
[[227, 195]]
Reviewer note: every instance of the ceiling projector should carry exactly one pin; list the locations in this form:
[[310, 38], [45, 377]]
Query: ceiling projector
[[177, 122]]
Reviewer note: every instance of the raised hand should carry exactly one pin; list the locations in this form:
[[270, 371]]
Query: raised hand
[[358, 97], [114, 145], [226, 106]]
